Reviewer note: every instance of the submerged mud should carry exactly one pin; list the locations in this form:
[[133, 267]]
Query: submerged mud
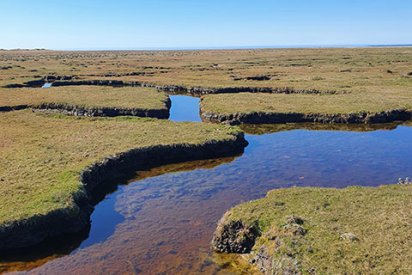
[[188, 205], [168, 215]]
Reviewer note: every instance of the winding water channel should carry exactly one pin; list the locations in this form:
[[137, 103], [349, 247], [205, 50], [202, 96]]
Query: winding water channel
[[163, 221]]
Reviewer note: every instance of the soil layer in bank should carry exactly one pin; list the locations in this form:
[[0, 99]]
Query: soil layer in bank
[[89, 101], [167, 218], [48, 193], [281, 108]]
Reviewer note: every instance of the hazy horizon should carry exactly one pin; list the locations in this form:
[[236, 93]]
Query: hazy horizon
[[213, 24], [220, 48]]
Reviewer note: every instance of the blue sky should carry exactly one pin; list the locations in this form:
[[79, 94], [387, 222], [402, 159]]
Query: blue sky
[[127, 24]]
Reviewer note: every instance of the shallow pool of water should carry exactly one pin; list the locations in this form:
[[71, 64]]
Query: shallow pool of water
[[184, 108], [163, 220]]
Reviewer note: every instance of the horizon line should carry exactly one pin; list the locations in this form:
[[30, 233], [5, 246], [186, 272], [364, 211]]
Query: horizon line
[[190, 48]]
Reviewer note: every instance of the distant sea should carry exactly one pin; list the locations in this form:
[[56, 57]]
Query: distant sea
[[247, 47], [237, 47]]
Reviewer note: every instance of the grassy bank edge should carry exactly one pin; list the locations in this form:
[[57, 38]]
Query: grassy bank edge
[[75, 215], [247, 108], [320, 230], [89, 101], [83, 179]]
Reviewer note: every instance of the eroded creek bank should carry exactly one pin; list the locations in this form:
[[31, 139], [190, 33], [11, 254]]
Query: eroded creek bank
[[102, 111], [163, 220], [268, 118], [57, 81]]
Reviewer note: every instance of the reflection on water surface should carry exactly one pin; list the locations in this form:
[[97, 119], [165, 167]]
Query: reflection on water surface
[[164, 219]]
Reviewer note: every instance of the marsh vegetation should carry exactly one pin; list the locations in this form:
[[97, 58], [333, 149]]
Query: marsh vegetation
[[44, 155]]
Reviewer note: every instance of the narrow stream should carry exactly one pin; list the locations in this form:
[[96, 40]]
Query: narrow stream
[[47, 85], [184, 108], [163, 221]]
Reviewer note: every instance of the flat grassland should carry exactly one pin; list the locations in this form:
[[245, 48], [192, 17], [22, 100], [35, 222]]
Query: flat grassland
[[242, 107], [363, 79], [42, 155], [356, 230], [86, 97], [364, 230], [302, 103], [376, 70]]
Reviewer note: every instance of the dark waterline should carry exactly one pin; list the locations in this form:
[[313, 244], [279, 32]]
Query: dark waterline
[[163, 221]]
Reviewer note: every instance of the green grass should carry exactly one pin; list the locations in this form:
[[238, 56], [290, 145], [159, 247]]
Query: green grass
[[380, 218], [324, 69], [42, 156], [374, 79], [246, 103], [87, 97]]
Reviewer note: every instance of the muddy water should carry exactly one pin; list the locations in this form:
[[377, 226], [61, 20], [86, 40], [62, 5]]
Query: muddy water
[[162, 221]]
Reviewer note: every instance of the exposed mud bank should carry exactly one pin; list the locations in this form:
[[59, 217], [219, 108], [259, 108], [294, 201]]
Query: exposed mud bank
[[254, 78], [103, 111], [172, 89], [305, 231], [52, 78], [234, 236], [13, 108], [29, 84], [238, 237], [199, 91], [271, 118], [74, 218]]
